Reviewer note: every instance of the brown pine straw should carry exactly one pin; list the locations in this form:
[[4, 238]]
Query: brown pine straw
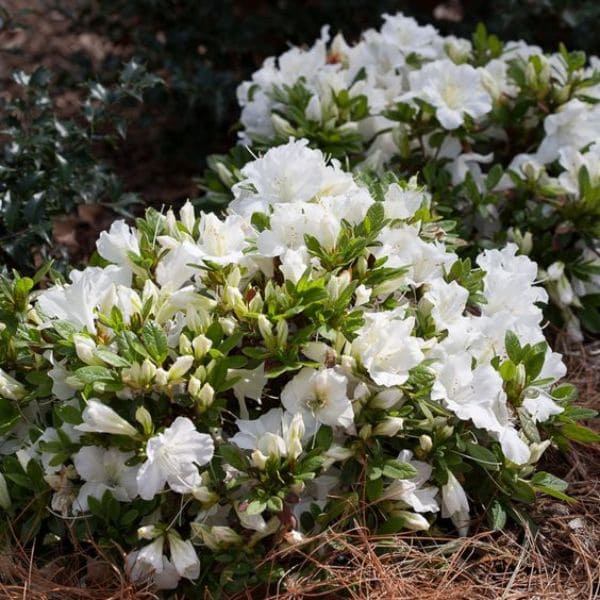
[[561, 560]]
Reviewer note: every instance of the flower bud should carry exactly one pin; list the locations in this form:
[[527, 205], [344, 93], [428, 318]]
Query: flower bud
[[362, 295], [365, 432], [201, 345], [198, 319], [171, 223], [194, 386], [148, 532], [389, 427], [259, 459], [233, 300], [412, 521], [339, 453], [85, 349], [205, 397], [144, 418], [10, 388], [179, 368], [282, 127], [294, 437], [204, 495], [228, 324], [256, 303], [139, 376], [161, 378], [386, 399], [536, 450], [264, 326], [188, 216], [282, 333], [185, 346], [446, 432], [362, 266], [425, 443], [224, 174], [521, 375], [100, 418]]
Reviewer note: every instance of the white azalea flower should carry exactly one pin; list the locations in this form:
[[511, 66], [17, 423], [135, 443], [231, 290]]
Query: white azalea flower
[[386, 347], [321, 395], [277, 433], [116, 245], [478, 395], [412, 492], [77, 302], [150, 564], [403, 203], [173, 458], [183, 556], [453, 90], [540, 405], [104, 470], [455, 504]]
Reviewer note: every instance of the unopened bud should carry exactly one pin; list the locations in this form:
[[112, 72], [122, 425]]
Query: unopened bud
[[180, 367], [205, 397], [282, 127], [282, 333], [185, 346], [425, 443], [144, 418], [259, 459], [228, 324], [201, 345], [389, 427], [264, 326], [85, 349], [412, 521]]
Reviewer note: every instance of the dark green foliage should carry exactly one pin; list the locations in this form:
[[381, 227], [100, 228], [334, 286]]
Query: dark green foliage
[[49, 164]]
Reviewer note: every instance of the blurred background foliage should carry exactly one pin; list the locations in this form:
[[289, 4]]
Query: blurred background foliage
[[202, 49]]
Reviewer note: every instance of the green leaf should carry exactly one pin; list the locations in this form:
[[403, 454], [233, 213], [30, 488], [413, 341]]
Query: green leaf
[[374, 489], [549, 480], [155, 341], [9, 415], [94, 374], [69, 414], [566, 391], [513, 347], [392, 525], [493, 177], [483, 456], [396, 469], [579, 433], [507, 370], [523, 491], [275, 504], [324, 437], [234, 457], [114, 360], [496, 516], [256, 507]]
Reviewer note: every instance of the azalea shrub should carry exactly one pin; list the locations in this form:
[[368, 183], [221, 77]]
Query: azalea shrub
[[504, 135], [211, 389]]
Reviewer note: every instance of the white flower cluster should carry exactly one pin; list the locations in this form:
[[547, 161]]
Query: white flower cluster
[[226, 381], [405, 91]]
